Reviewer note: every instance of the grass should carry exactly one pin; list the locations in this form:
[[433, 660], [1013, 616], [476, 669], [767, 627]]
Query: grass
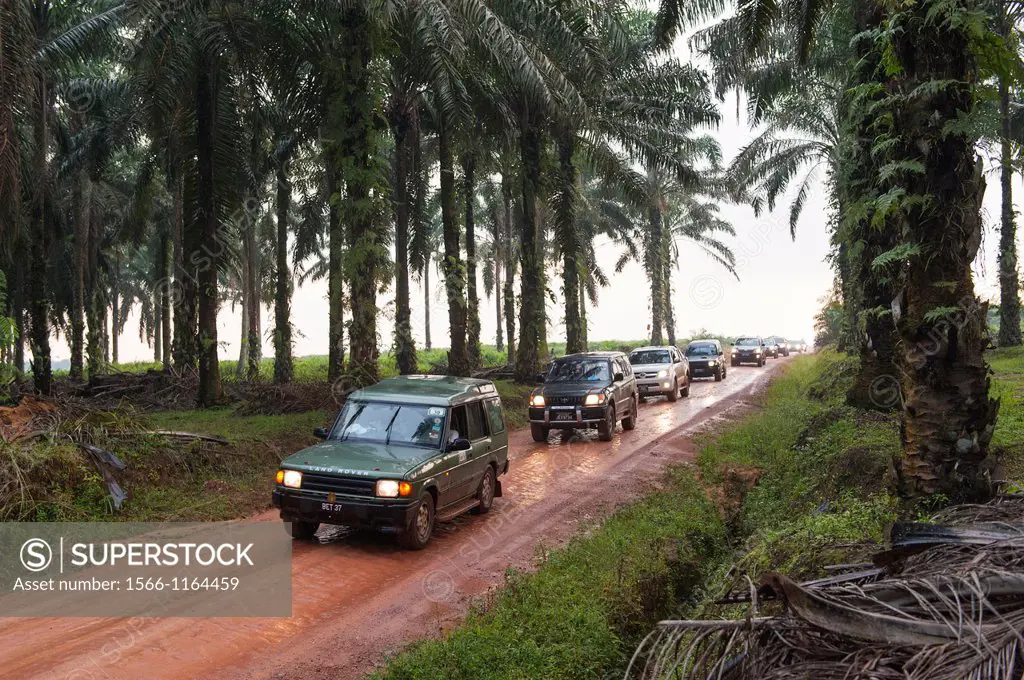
[[1008, 385]]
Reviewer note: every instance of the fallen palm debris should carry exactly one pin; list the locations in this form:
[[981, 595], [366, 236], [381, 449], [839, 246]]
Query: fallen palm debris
[[944, 602]]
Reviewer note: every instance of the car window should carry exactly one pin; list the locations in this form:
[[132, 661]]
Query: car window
[[495, 417], [701, 351], [579, 370], [459, 426], [475, 421], [748, 342], [650, 356], [409, 424]]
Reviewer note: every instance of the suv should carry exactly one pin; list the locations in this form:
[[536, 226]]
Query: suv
[[706, 359], [661, 370], [749, 350], [771, 348], [402, 454], [582, 391], [782, 344]]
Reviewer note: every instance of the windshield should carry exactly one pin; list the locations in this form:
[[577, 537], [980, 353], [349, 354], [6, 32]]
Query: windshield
[[579, 370], [701, 351], [650, 356], [401, 424], [748, 342]]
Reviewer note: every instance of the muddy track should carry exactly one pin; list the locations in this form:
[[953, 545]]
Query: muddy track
[[357, 596]]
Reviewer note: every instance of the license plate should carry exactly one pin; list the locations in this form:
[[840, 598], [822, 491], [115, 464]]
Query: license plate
[[565, 416], [331, 507]]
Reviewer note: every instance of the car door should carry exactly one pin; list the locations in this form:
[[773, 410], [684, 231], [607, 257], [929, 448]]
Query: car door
[[479, 436], [678, 365], [499, 434], [622, 392], [449, 479]]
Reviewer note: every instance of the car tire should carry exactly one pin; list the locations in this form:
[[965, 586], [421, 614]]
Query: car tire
[[539, 432], [734, 363], [643, 400], [686, 390], [304, 531], [719, 375], [606, 428], [485, 494], [629, 422], [418, 533], [760, 363], [673, 394]]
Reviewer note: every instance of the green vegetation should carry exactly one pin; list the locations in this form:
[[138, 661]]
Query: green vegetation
[[1008, 386]]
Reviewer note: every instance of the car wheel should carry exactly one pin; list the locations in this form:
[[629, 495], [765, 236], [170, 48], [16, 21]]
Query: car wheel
[[719, 375], [418, 533], [643, 400], [606, 428], [673, 394], [485, 494], [686, 390], [629, 422], [735, 363], [760, 363], [304, 531], [539, 432]]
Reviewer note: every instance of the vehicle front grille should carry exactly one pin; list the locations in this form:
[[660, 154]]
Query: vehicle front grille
[[564, 400], [644, 376], [349, 486]]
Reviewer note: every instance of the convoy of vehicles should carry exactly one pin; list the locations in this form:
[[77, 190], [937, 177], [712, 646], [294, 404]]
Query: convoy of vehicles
[[661, 371], [414, 450], [585, 391]]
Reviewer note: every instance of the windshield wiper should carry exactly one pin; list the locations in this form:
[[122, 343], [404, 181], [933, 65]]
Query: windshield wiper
[[387, 431]]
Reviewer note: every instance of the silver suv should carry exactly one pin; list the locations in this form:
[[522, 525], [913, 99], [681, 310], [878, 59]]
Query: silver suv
[[661, 371]]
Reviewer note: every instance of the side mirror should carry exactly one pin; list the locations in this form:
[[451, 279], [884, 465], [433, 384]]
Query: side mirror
[[619, 377], [460, 444], [320, 432], [539, 378]]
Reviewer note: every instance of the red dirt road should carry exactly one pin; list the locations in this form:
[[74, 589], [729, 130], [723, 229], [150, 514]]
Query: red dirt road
[[358, 596]]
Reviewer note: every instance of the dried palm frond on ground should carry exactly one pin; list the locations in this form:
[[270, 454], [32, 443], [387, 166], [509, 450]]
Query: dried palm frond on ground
[[953, 609]]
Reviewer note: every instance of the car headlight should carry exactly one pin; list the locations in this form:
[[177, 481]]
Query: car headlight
[[712, 363], [757, 351], [595, 399], [537, 400], [290, 478], [663, 373]]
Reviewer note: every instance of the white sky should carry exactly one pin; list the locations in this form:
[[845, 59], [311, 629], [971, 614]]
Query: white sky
[[780, 288]]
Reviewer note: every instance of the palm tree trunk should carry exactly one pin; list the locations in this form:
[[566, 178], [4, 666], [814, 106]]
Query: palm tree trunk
[[185, 348], [670, 317], [336, 272], [210, 391], [1009, 283], [81, 200], [243, 336], [39, 303], [531, 310], [656, 271], [472, 300], [454, 272], [499, 336], [509, 293], [164, 293], [252, 302], [283, 281], [426, 304], [404, 343], [877, 384], [565, 224], [363, 187], [583, 315], [948, 416]]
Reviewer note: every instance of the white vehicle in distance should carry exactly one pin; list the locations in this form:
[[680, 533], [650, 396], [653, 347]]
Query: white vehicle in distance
[[661, 371]]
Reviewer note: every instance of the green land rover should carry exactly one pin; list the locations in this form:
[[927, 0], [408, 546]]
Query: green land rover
[[401, 455]]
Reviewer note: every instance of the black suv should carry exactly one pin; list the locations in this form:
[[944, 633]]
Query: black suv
[[749, 350], [706, 359], [583, 391]]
